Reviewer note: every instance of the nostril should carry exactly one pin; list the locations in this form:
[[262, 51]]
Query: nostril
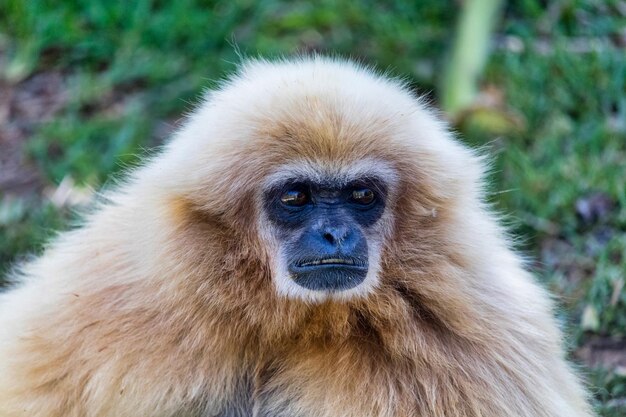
[[329, 237]]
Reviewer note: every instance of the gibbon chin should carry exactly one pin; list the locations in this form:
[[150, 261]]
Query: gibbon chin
[[312, 242]]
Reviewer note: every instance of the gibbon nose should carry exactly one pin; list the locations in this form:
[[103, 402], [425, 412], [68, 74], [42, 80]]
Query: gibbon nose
[[334, 238], [335, 235]]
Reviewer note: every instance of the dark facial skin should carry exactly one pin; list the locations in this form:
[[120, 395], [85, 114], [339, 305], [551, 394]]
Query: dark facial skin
[[323, 228]]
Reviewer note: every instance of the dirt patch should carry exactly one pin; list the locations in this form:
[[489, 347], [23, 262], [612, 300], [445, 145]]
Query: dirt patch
[[23, 106], [604, 352]]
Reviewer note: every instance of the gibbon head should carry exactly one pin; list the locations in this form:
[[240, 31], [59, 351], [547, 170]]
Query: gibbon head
[[322, 170]]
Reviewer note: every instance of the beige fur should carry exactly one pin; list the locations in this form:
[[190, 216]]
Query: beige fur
[[167, 302]]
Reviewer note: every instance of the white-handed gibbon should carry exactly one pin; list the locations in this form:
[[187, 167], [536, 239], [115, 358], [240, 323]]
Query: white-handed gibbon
[[312, 242]]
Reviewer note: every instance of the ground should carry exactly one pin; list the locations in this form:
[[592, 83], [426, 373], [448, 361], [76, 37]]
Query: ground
[[87, 88]]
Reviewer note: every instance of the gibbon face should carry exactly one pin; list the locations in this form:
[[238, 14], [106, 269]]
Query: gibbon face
[[327, 227]]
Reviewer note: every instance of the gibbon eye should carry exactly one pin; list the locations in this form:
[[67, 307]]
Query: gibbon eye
[[294, 198], [363, 196]]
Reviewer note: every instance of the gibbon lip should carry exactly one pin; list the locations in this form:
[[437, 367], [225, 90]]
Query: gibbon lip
[[331, 261]]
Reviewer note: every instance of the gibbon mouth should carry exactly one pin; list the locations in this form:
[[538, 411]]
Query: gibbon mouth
[[330, 262], [329, 274]]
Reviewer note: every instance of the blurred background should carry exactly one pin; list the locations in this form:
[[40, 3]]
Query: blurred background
[[89, 87]]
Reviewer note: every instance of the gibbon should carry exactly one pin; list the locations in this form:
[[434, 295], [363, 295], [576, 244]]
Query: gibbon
[[312, 242]]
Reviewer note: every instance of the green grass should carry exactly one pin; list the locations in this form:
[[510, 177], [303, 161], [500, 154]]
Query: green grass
[[557, 130]]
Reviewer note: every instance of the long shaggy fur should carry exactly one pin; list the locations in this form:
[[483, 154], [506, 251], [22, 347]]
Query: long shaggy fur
[[163, 303]]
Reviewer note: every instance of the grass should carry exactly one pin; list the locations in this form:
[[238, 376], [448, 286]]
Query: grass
[[552, 112]]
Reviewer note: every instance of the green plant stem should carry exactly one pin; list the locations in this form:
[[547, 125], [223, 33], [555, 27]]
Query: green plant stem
[[469, 54]]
